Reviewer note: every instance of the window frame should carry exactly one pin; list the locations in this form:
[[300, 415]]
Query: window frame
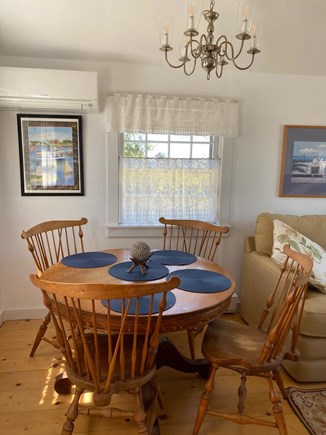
[[214, 151], [225, 153]]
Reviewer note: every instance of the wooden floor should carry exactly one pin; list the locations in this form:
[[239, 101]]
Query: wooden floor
[[29, 404]]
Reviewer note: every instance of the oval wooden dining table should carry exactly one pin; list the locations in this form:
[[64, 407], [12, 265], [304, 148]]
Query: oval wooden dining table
[[191, 310]]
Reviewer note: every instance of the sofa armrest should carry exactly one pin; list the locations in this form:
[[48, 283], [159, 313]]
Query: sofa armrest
[[249, 244], [259, 275]]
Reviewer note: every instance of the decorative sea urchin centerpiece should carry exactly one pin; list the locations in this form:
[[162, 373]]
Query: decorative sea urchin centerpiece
[[139, 254]]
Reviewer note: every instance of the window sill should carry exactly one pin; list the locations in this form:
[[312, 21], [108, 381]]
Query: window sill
[[130, 231], [136, 231]]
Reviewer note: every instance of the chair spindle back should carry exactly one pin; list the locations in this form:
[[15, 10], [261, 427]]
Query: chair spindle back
[[195, 237], [106, 348], [283, 310], [50, 241]]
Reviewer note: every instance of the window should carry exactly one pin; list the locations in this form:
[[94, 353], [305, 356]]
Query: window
[[170, 175]]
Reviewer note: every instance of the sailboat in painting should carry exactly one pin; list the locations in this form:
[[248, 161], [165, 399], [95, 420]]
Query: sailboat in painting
[[67, 168]]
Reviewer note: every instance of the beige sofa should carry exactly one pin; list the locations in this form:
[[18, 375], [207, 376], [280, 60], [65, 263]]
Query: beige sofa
[[259, 274]]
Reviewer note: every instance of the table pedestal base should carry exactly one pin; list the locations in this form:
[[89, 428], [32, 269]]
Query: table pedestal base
[[169, 356]]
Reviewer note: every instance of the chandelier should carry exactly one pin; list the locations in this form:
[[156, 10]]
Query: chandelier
[[213, 55]]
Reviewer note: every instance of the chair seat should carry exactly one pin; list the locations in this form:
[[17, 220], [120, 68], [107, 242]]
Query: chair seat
[[227, 341]]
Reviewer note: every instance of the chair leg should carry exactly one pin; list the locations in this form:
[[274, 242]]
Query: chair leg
[[278, 378], [154, 382], [277, 408], [72, 413], [40, 333], [242, 393], [204, 401], [140, 414]]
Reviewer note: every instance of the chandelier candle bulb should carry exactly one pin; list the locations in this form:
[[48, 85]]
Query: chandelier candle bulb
[[166, 35], [191, 17], [184, 49], [254, 37], [245, 20]]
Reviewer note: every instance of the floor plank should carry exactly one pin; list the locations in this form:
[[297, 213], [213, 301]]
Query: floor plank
[[29, 404]]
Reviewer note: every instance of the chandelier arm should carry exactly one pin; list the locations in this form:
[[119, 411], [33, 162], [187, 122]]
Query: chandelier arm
[[219, 75], [225, 40], [246, 67], [170, 64], [228, 47], [223, 43], [193, 69], [196, 52], [239, 52]]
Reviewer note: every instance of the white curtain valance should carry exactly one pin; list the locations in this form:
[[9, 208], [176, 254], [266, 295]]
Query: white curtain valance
[[171, 114]]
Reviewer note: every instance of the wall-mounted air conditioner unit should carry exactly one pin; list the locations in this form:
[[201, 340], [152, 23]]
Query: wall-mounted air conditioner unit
[[48, 90]]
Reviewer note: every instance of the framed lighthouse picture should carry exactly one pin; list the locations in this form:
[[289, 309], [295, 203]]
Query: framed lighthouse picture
[[303, 168]]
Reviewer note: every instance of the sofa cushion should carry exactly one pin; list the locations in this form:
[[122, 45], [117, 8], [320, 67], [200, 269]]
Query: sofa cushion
[[283, 234], [306, 369], [312, 226]]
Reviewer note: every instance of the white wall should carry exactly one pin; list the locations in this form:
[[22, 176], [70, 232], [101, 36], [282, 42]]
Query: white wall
[[267, 103], [1, 245]]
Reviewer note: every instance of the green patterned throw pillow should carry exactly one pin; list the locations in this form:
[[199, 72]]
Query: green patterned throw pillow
[[283, 234]]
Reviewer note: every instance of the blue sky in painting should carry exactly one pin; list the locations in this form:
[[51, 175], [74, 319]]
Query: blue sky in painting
[[309, 148], [49, 133]]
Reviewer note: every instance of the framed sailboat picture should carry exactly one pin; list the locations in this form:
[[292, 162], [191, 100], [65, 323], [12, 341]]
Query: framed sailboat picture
[[50, 152], [303, 170]]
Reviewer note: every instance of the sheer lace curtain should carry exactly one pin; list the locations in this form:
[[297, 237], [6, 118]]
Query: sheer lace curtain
[[152, 187], [169, 188]]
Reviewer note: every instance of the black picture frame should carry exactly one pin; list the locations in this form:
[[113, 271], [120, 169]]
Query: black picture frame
[[50, 154], [303, 167]]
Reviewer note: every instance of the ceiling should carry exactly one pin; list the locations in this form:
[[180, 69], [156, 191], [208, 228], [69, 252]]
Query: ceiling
[[293, 32]]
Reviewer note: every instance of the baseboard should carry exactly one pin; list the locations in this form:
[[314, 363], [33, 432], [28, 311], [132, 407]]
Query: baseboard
[[2, 317], [22, 314], [234, 305]]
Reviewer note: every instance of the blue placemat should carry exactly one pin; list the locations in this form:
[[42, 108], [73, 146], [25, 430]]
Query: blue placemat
[[89, 259], [201, 281], [144, 303], [172, 257], [153, 271]]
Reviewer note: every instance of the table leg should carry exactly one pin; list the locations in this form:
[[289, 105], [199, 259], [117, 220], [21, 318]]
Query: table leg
[[169, 356]]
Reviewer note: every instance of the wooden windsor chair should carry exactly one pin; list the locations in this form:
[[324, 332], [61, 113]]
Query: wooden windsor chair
[[195, 237], [259, 350], [49, 242], [111, 352]]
